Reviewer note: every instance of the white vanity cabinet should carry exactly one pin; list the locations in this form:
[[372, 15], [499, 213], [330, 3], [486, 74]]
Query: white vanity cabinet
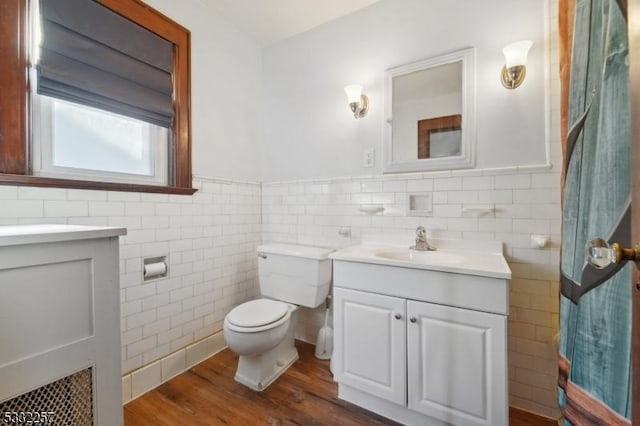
[[421, 346], [372, 343], [445, 362], [457, 361]]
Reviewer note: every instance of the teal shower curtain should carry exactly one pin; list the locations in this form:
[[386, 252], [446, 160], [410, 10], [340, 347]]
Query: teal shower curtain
[[595, 306]]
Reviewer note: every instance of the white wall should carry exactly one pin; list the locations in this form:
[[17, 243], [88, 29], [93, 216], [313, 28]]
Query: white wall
[[226, 82], [309, 130]]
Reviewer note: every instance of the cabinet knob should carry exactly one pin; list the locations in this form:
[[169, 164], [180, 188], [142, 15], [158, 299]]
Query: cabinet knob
[[413, 319], [398, 316]]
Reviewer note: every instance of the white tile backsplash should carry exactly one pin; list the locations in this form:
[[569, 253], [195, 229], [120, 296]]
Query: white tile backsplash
[[210, 239], [292, 213]]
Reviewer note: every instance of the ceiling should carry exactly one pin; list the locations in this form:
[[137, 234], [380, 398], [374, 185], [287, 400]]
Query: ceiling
[[270, 21]]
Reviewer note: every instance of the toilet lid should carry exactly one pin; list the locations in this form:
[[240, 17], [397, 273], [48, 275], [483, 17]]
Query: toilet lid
[[256, 313]]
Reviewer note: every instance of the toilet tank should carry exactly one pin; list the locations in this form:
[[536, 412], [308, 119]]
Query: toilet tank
[[296, 274]]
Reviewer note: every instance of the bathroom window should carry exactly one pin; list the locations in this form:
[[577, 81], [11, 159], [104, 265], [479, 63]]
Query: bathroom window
[[106, 101], [78, 142]]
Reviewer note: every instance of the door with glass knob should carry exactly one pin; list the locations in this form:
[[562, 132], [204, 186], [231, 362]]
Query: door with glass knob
[[614, 252], [595, 284]]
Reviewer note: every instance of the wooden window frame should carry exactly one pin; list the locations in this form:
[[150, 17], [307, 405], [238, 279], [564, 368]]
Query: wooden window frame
[[15, 162], [434, 125]]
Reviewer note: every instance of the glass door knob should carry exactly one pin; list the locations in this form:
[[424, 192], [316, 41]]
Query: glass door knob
[[601, 254]]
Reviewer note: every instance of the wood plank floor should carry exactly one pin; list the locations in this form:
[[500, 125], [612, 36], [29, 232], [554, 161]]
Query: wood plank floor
[[304, 395]]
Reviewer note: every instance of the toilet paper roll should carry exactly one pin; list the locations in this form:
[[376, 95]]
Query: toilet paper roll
[[152, 270]]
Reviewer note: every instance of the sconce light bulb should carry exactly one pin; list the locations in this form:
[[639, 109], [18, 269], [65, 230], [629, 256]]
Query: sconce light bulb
[[358, 102]]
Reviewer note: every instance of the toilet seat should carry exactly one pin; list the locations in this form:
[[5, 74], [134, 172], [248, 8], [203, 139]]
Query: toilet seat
[[257, 315]]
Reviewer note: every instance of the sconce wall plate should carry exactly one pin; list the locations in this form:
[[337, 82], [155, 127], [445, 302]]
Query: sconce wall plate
[[360, 109], [513, 77]]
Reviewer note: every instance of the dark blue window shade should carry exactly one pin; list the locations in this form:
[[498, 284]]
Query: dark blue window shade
[[93, 56]]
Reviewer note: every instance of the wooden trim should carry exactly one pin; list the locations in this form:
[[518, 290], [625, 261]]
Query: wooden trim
[[146, 16], [433, 125], [14, 124], [182, 126], [149, 18], [28, 180], [566, 18], [14, 117]]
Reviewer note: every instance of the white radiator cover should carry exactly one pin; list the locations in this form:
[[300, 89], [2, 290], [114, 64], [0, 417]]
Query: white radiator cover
[[60, 315]]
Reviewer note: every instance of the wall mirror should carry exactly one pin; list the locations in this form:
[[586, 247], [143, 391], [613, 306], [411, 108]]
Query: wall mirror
[[429, 106]]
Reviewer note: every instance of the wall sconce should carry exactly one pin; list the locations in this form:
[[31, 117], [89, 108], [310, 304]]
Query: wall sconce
[[515, 68], [358, 102]]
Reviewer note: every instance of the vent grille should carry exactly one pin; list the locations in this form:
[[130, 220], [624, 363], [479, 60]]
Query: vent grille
[[69, 400]]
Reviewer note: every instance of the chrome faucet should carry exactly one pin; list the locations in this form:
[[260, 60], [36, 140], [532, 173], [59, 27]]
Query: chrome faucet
[[421, 240]]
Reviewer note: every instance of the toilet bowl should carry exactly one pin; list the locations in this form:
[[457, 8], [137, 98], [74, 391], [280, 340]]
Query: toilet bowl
[[262, 331], [257, 326]]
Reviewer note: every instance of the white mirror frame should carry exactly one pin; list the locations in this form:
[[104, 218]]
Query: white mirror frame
[[466, 159]]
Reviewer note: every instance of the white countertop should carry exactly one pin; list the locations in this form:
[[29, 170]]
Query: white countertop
[[448, 257], [47, 233]]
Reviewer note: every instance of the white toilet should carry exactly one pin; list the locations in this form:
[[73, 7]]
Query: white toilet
[[262, 331]]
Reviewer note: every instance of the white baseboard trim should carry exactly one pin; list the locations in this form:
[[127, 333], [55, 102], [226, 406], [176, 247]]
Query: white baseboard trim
[[150, 376]]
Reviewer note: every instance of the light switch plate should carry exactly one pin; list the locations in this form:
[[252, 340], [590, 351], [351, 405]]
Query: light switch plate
[[369, 158]]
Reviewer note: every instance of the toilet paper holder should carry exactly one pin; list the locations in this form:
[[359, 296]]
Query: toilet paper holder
[[154, 268]]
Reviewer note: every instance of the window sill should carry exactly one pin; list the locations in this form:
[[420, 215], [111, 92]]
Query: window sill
[[26, 180]]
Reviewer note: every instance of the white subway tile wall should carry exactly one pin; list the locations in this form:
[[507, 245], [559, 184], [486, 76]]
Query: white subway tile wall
[[210, 239], [312, 213]]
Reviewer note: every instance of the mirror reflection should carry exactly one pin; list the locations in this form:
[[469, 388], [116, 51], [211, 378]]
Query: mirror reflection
[[430, 111], [427, 113]]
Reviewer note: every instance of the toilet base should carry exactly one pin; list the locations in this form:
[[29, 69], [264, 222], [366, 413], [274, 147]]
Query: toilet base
[[259, 371], [258, 375]]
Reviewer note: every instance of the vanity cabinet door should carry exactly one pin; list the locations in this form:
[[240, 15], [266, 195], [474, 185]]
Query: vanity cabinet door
[[457, 364], [370, 343]]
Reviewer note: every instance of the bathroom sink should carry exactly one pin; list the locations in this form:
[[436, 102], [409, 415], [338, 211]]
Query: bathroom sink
[[481, 258], [422, 257]]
